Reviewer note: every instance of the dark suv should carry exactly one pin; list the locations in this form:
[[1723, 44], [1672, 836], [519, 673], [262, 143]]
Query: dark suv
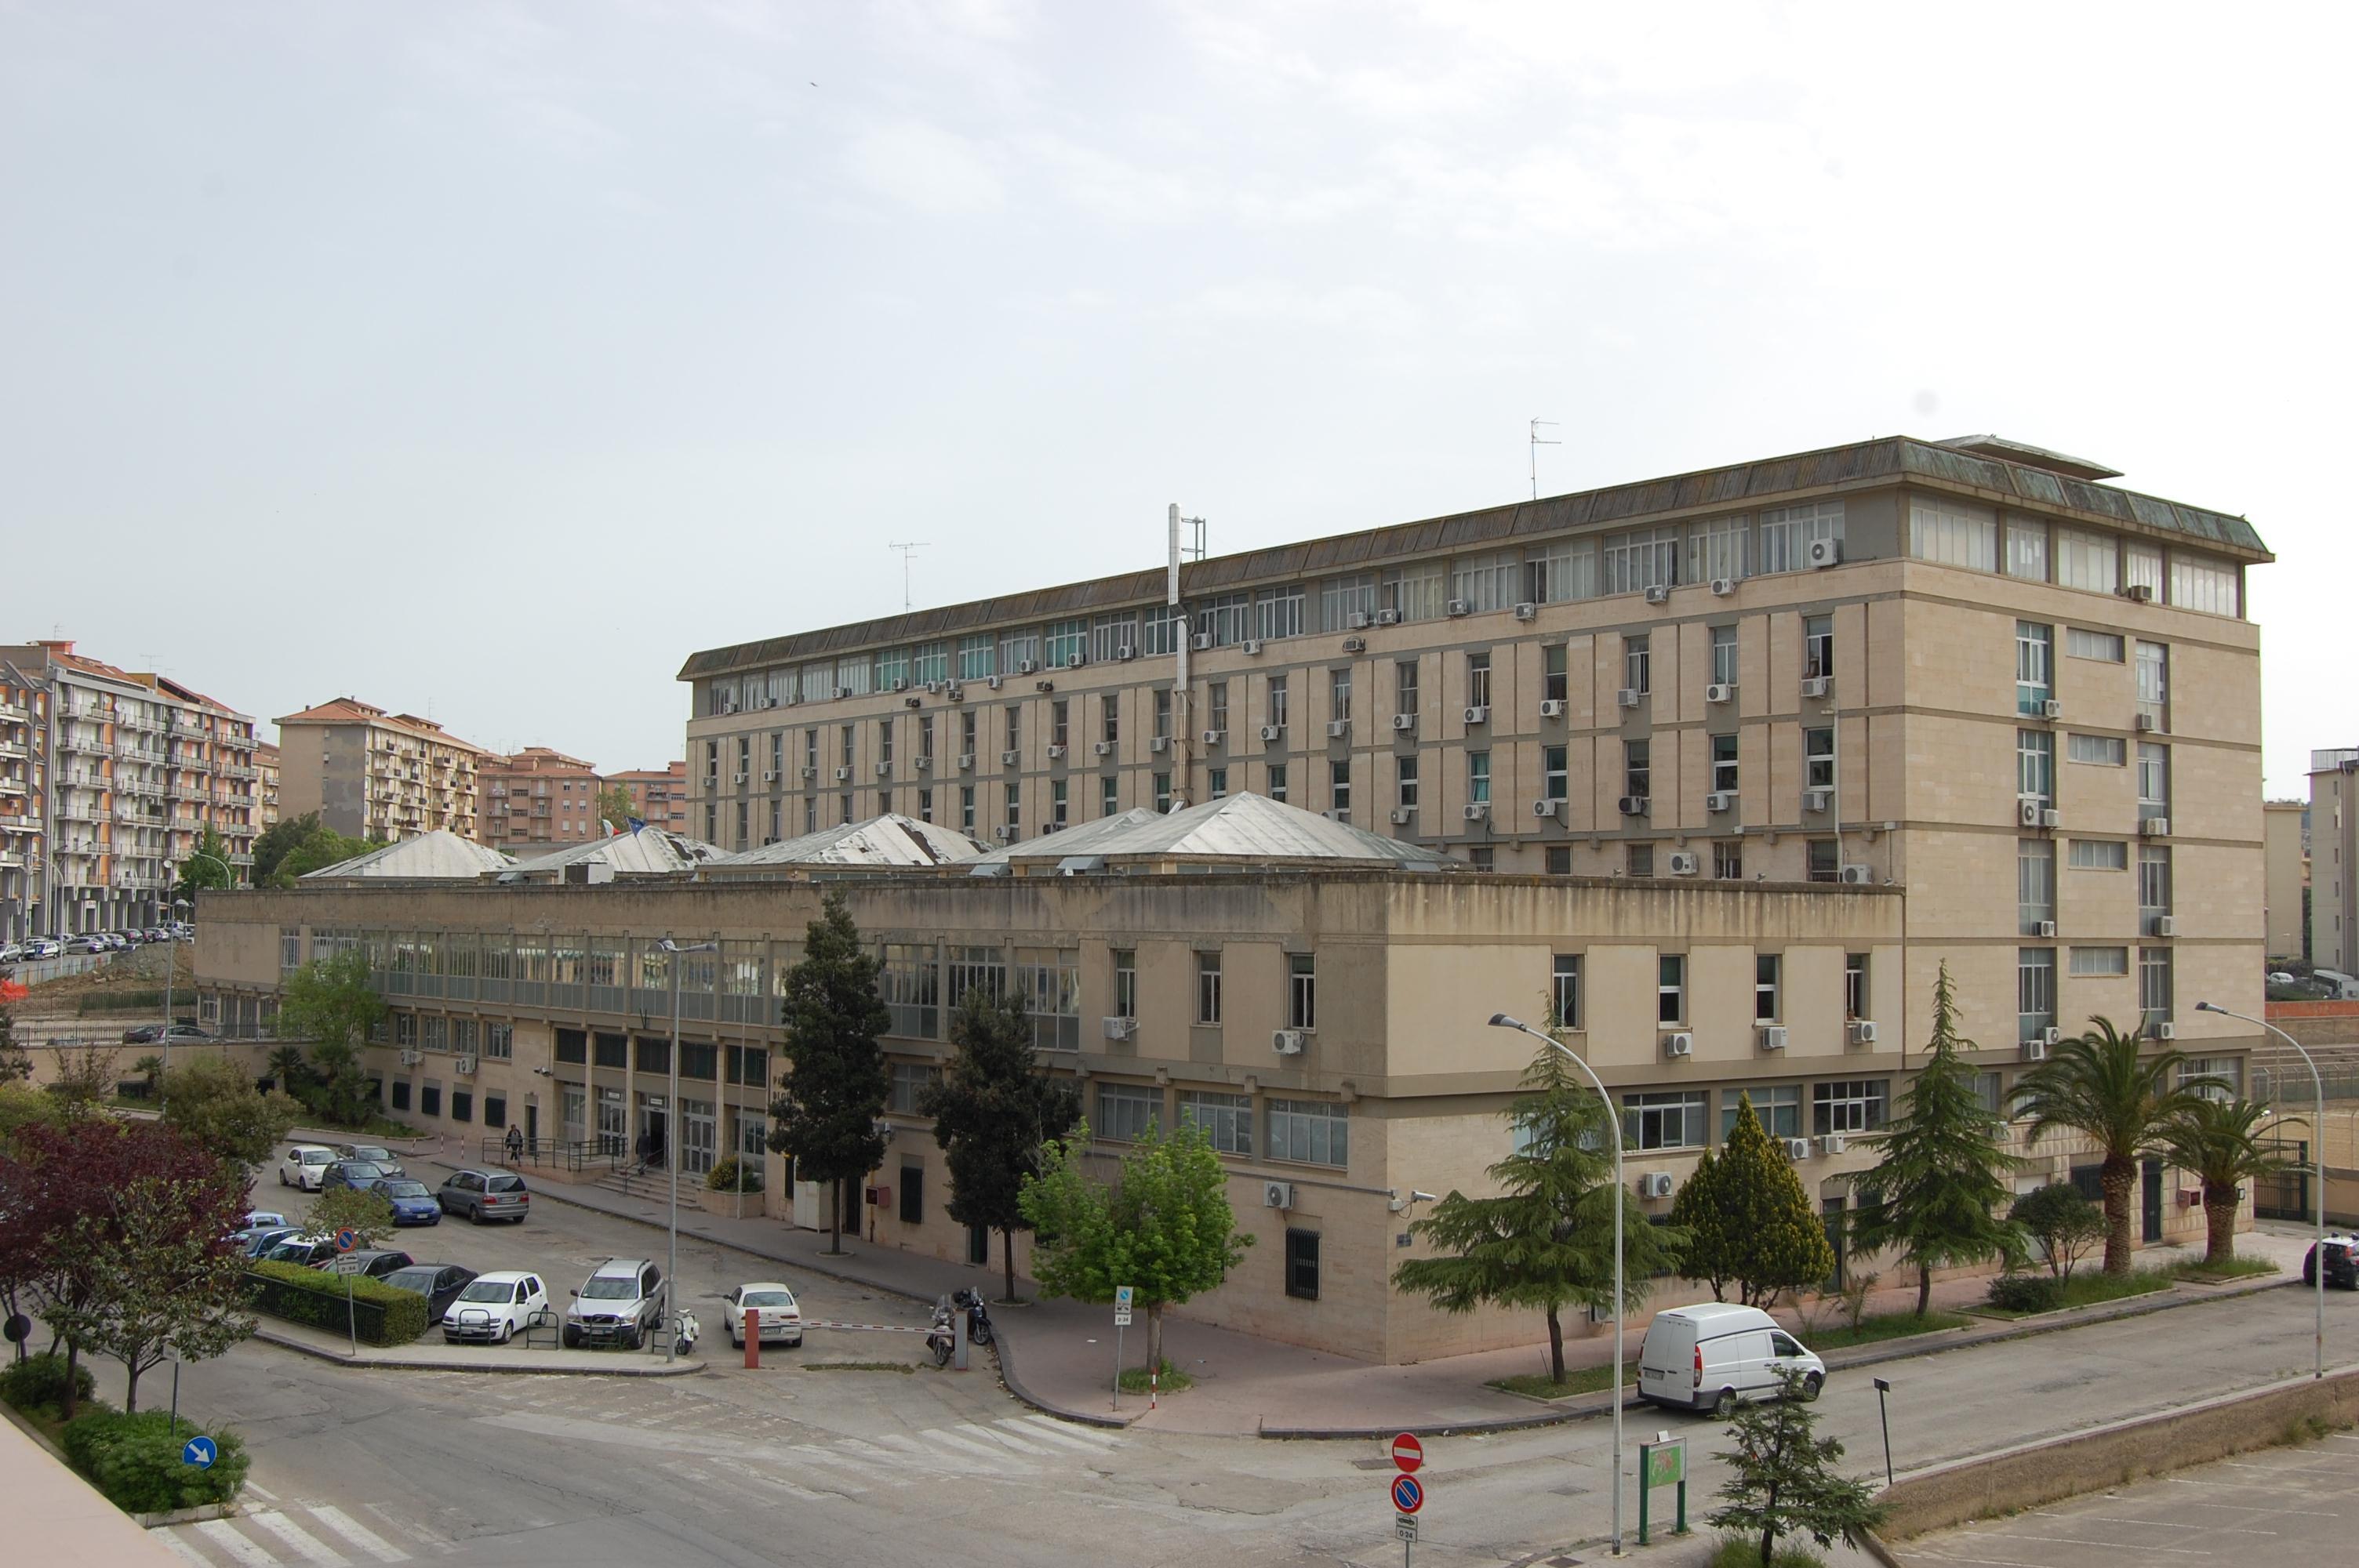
[[621, 1303], [2341, 1263]]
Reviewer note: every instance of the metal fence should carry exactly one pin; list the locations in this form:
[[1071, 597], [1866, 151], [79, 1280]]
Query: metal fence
[[2288, 1085]]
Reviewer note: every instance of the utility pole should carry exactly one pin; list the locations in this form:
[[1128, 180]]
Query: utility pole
[[907, 551], [1535, 442], [1182, 735]]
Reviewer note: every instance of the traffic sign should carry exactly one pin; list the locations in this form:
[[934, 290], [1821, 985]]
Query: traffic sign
[[1122, 1297], [348, 1263], [1405, 1527], [1408, 1494], [347, 1239], [1408, 1452], [199, 1452], [1667, 1463], [1122, 1317]]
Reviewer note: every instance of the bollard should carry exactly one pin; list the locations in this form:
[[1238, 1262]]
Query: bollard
[[958, 1337], [753, 1332]]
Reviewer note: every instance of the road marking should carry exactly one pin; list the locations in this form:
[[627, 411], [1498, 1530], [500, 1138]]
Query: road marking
[[943, 1457], [171, 1539], [1040, 1426], [313, 1549], [999, 1458], [2108, 1545], [996, 1436], [813, 1452], [224, 1534], [883, 1456], [265, 1493], [2154, 1523], [359, 1534]]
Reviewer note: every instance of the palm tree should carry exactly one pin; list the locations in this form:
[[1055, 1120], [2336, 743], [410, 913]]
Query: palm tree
[[287, 1067], [2100, 1084], [2218, 1142]]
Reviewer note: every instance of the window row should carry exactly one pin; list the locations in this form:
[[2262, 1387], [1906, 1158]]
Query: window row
[[1960, 533], [1299, 1132]]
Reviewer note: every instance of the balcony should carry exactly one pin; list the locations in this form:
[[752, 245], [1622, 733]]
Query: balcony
[[11, 748], [12, 714]]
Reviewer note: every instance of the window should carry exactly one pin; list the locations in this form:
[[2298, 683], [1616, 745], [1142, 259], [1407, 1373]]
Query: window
[[1564, 990], [2154, 885], [966, 809], [2142, 567], [1478, 778], [1224, 619], [2154, 987], [1277, 612], [852, 673], [1716, 550], [2035, 666], [1301, 991], [1478, 680], [1278, 701], [2035, 991], [749, 1066], [1019, 653], [1786, 534], [1338, 696], [2027, 548], [1216, 784], [1779, 1106], [1728, 859], [1302, 1264], [1108, 790], [1313, 1132], [1639, 860], [1820, 860], [2100, 855], [1953, 533], [1673, 1119], [2035, 885], [1125, 983], [2152, 779], [1342, 598], [1553, 772], [1559, 572], [978, 657], [974, 968], [1723, 655], [1819, 758], [1061, 714], [1012, 803], [2035, 765], [1848, 1105], [1404, 686], [1276, 788], [430, 1100], [2104, 750], [884, 742], [1208, 988], [1339, 788], [1670, 988], [1556, 860], [1216, 706], [1163, 713], [910, 986], [1644, 559], [1406, 767], [2204, 583], [2084, 643], [1818, 646], [1414, 593], [1163, 791], [1637, 768], [290, 950], [1483, 858], [1227, 1119], [931, 666], [2154, 683], [1067, 644], [1164, 626], [1855, 985], [1638, 665], [1552, 673], [2226, 1070], [1485, 582], [2100, 962], [1724, 763], [1767, 970], [1014, 727], [1127, 1110], [910, 1082], [499, 1041], [401, 1094], [2087, 558]]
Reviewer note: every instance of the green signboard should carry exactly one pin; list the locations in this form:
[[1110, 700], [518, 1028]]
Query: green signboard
[[1667, 1463]]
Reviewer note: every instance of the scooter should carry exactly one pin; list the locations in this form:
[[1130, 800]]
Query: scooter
[[941, 1337], [978, 1317], [690, 1329]]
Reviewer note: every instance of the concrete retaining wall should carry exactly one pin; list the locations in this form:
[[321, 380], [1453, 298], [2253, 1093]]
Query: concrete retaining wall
[[2018, 1478]]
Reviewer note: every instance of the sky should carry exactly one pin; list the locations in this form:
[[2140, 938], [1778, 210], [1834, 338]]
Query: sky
[[485, 360]]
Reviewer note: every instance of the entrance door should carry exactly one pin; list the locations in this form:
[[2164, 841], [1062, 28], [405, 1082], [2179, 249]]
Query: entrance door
[[2150, 1201], [652, 1122], [978, 1244], [532, 1127]]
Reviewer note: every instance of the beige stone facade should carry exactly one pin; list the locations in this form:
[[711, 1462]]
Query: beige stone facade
[[2285, 859], [2335, 860], [377, 775]]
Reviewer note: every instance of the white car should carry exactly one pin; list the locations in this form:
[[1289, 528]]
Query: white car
[[781, 1319], [493, 1308], [305, 1166]]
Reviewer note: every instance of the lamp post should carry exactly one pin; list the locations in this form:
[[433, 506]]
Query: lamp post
[[171, 962], [676, 950], [1501, 1021], [2318, 1164]]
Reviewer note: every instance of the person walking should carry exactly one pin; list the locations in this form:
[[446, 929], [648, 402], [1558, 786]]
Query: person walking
[[516, 1144]]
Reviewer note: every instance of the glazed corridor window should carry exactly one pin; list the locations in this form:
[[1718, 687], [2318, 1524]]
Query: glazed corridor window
[[1277, 612], [1311, 1132], [1676, 1119], [1413, 593], [1301, 991], [1068, 643], [2087, 558], [1019, 653], [2204, 583], [1208, 988], [974, 968], [1564, 990], [1716, 550], [1559, 573], [1723, 655], [911, 988], [1644, 559], [1227, 1119], [1485, 582], [2035, 667], [1779, 1106], [1165, 624], [1347, 603], [1127, 1110], [1671, 987], [1787, 533], [1227, 620], [1478, 680], [1953, 533], [1113, 637], [1849, 1104], [978, 657]]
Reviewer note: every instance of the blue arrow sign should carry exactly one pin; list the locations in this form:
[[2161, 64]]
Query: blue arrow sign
[[1408, 1494], [199, 1452]]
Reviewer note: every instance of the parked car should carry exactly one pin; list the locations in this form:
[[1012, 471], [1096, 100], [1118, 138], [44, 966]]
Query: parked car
[[2341, 1263], [493, 1308], [1710, 1355], [254, 1216], [781, 1319], [621, 1303], [376, 1154], [181, 1033], [259, 1239], [89, 945], [305, 1166], [41, 947], [485, 1195], [359, 1173], [412, 1204], [376, 1262], [440, 1283], [11, 953], [309, 1252]]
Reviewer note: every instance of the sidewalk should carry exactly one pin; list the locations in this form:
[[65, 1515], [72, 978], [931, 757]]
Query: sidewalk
[[1059, 1355], [441, 1357]]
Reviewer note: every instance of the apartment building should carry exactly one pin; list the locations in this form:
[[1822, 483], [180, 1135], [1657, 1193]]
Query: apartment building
[[377, 775], [2333, 858], [265, 804], [1968, 669], [141, 767], [24, 804], [536, 800], [659, 796], [2284, 832]]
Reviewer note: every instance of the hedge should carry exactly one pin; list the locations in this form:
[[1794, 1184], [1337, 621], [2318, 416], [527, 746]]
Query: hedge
[[381, 1313], [723, 1177], [38, 1382], [2027, 1292], [135, 1460]]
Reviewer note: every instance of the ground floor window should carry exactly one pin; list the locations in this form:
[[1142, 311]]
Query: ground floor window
[[401, 1094], [913, 1194], [1779, 1106], [1302, 1264], [495, 1111], [430, 1100], [463, 1105], [1851, 1104], [1672, 1119], [697, 1129], [575, 1108]]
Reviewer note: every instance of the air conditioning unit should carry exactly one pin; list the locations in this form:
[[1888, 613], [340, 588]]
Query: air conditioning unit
[[1719, 691], [1158, 744], [2166, 925], [898, 685], [1855, 875], [1634, 805], [1286, 1042], [1654, 1184], [1680, 1044], [1214, 737], [768, 776], [2145, 723], [2047, 929], [1008, 758], [1476, 813], [2050, 817], [1355, 644], [842, 692], [1684, 863], [1723, 586], [1797, 1148], [1658, 594], [1458, 607], [795, 699], [1202, 642], [1817, 686], [2027, 812], [993, 681], [1552, 707], [1817, 800], [1277, 1195], [1122, 1029], [2154, 827], [1480, 714], [1861, 1032], [1004, 832], [1773, 1037], [2034, 1050], [1102, 748], [1253, 646], [1403, 721], [883, 770], [1719, 800], [411, 1058], [1357, 620], [2141, 592], [1526, 612], [2052, 708], [933, 689], [1402, 815], [966, 761], [1055, 752], [924, 764], [844, 774], [1546, 807], [810, 773], [1831, 1142], [2053, 1034], [738, 778], [1124, 653], [1026, 666], [2166, 1030], [1389, 617], [1628, 696], [1825, 552], [1333, 814]]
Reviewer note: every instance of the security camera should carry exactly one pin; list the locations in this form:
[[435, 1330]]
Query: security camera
[[1400, 1204]]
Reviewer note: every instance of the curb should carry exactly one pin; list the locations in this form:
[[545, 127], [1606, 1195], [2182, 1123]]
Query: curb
[[461, 1364], [1015, 1385], [145, 1521]]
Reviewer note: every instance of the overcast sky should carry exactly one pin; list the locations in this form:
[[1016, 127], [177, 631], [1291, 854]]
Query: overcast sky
[[487, 360]]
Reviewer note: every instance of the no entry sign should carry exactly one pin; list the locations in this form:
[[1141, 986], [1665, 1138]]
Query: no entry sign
[[1408, 1452]]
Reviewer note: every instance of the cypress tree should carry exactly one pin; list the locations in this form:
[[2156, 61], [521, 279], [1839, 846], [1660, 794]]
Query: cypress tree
[[993, 1112], [836, 1083], [1755, 1226]]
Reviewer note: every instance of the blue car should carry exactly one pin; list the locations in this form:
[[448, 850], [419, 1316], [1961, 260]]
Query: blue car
[[412, 1204]]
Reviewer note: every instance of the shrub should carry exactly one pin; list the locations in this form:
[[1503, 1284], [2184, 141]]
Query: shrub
[[723, 1178], [38, 1382], [2027, 1292], [380, 1313], [135, 1461]]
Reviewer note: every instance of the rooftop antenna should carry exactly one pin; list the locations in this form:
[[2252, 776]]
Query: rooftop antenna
[[1536, 443], [907, 551]]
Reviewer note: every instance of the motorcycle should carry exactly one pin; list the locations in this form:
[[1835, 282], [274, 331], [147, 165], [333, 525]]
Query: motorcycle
[[978, 1317], [941, 1337], [690, 1329]]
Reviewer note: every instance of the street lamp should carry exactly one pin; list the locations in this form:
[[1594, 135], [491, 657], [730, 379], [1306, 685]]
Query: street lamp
[[171, 962], [2318, 1152], [1501, 1021], [671, 1142]]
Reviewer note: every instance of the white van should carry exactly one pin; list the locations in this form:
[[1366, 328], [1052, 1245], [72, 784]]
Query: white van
[[1709, 1355]]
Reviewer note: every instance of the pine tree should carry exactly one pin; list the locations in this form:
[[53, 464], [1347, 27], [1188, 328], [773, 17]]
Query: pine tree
[[1753, 1225], [836, 1084], [993, 1112], [1936, 1196], [1781, 1480], [1700, 1210]]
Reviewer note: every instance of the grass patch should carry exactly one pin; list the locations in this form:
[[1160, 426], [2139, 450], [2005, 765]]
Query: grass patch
[[1881, 1326], [1173, 1382], [1577, 1381], [902, 1367], [2095, 1288], [2233, 1268], [1744, 1552]]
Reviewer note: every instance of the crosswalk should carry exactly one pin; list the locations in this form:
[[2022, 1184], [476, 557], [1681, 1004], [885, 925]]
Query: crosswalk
[[273, 1532]]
